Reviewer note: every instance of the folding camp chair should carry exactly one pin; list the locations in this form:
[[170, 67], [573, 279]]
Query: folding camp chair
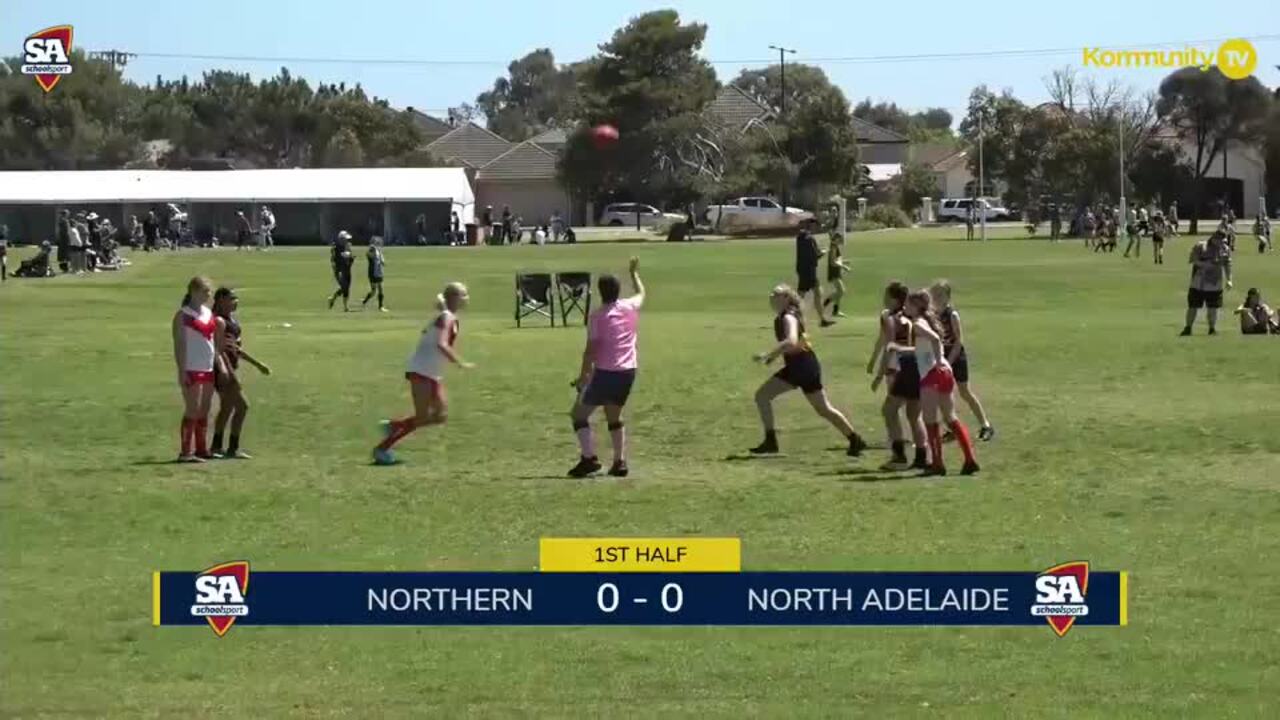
[[575, 294], [533, 296]]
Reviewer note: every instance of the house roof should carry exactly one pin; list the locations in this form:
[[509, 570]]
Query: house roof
[[929, 154], [553, 138], [734, 108], [872, 133], [431, 127], [470, 144], [526, 161], [951, 162]]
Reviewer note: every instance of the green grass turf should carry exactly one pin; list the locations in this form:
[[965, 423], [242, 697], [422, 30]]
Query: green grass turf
[[1119, 443]]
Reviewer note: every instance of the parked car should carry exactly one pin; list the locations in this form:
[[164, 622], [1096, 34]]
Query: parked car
[[955, 209], [755, 212], [621, 214]]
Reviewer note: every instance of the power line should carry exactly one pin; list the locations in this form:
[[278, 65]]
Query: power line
[[865, 59]]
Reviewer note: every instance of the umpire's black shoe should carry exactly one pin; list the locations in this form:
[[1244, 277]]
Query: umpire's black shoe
[[585, 466], [619, 469]]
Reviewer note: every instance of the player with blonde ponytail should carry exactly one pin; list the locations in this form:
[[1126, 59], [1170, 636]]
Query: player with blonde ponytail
[[800, 369], [425, 372]]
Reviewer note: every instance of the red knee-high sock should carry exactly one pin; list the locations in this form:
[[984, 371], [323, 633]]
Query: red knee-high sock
[[399, 429], [186, 436], [200, 427], [935, 443], [962, 436]]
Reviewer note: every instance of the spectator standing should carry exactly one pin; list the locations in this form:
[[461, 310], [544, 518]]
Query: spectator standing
[[135, 232], [489, 233], [62, 235], [75, 244], [4, 252], [1210, 271], [268, 227], [557, 226], [506, 225], [455, 229], [243, 230], [151, 230], [517, 229]]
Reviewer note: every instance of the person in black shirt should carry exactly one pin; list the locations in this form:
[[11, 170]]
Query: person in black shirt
[[376, 263], [800, 369], [455, 229], [505, 236], [807, 255], [62, 236], [487, 218], [341, 259], [150, 231], [243, 230], [232, 404], [4, 252]]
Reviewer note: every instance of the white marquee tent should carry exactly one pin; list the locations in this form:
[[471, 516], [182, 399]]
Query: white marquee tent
[[355, 185]]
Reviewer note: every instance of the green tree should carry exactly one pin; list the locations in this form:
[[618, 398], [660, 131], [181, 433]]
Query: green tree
[[813, 144], [914, 183], [343, 150], [536, 95], [1000, 118], [86, 123], [650, 82], [1209, 112]]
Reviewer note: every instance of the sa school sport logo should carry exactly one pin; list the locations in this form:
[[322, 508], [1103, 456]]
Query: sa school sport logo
[[47, 55], [220, 593], [1060, 593]]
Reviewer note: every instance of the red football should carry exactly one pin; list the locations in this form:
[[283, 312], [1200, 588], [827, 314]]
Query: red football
[[604, 135]]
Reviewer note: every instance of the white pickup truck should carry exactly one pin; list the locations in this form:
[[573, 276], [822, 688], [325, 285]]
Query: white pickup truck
[[754, 212]]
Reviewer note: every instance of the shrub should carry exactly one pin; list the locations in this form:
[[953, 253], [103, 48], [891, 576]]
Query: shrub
[[865, 225], [888, 216]]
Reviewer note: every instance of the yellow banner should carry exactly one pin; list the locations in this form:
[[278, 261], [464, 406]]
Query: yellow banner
[[640, 555]]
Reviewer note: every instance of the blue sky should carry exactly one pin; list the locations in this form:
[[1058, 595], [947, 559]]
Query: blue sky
[[482, 37]]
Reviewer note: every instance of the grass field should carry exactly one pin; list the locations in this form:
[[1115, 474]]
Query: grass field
[[1119, 443]]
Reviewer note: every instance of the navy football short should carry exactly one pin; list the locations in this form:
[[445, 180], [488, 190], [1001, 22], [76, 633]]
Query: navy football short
[[960, 368], [906, 384], [609, 387], [803, 371]]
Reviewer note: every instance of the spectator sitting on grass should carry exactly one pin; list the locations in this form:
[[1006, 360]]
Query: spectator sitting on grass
[[38, 266], [1255, 316]]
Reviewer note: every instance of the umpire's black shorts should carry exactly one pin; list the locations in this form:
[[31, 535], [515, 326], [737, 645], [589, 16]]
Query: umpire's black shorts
[[609, 387]]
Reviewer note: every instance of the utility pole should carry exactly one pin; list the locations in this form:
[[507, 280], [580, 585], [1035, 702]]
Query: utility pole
[[117, 58], [982, 182], [782, 81]]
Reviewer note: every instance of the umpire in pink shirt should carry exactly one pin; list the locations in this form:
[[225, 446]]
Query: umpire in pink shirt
[[608, 371]]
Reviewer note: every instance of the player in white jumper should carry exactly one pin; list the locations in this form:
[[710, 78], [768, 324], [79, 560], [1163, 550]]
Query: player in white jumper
[[196, 333], [425, 372], [937, 384]]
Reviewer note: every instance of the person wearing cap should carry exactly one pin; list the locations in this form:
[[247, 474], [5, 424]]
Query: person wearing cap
[[341, 259], [232, 405]]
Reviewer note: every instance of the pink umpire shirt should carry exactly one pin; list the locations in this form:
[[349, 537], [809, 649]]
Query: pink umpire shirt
[[612, 331]]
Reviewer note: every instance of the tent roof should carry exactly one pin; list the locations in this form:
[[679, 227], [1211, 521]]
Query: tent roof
[[297, 185]]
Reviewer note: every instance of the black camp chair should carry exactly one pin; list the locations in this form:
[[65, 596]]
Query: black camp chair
[[574, 289], [533, 296]]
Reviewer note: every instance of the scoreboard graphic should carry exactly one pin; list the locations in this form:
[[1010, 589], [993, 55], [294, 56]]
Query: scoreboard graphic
[[640, 581]]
